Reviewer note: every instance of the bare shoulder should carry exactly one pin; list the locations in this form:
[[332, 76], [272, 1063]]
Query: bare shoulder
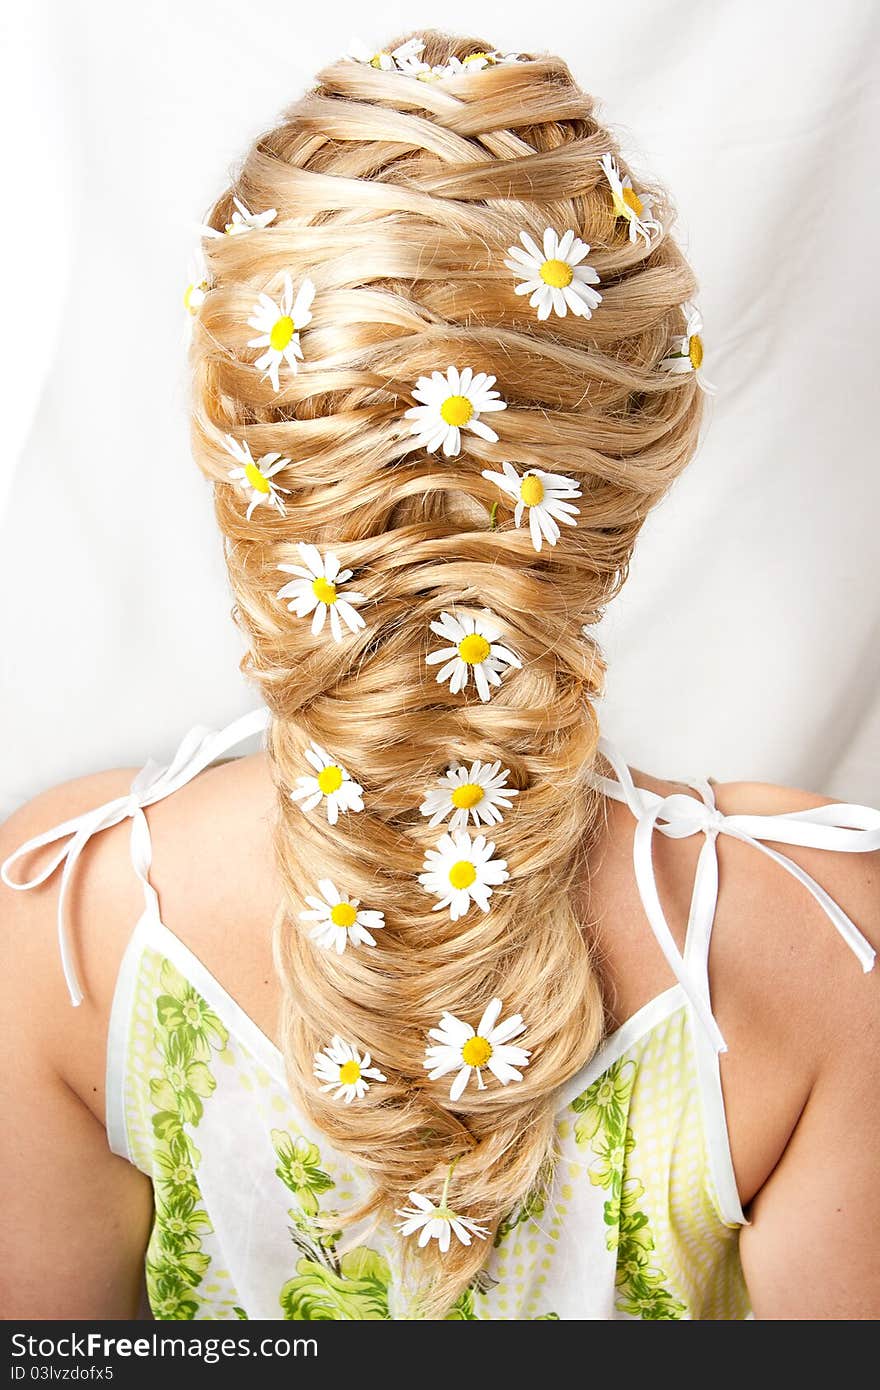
[[34, 1000], [212, 867], [787, 932], [802, 1078], [29, 917], [789, 996]]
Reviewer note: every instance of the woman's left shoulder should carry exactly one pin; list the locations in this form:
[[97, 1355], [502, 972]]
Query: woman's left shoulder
[[101, 904]]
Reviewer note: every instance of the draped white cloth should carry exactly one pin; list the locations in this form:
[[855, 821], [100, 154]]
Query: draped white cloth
[[746, 642]]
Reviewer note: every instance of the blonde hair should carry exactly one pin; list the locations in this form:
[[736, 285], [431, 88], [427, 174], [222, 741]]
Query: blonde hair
[[399, 199]]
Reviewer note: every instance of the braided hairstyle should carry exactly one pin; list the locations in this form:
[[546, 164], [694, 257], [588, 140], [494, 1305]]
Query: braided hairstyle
[[398, 198]]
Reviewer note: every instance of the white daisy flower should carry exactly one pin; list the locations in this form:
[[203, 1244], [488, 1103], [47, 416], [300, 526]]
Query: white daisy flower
[[546, 496], [340, 920], [554, 277], [344, 1071], [437, 1223], [474, 62], [687, 350], [243, 220], [255, 476], [635, 207], [279, 325], [415, 67], [474, 792], [408, 52], [466, 1050], [428, 74], [475, 651], [317, 590], [398, 58], [358, 52], [461, 871], [450, 403], [332, 785], [196, 291]]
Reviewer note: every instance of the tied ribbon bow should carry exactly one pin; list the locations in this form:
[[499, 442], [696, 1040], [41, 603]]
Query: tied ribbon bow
[[840, 826], [198, 750]]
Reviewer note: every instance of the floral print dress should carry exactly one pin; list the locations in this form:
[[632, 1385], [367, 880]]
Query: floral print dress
[[629, 1224]]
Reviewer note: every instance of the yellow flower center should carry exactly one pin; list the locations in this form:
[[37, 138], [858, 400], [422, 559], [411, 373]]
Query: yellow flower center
[[330, 779], [256, 478], [633, 201], [281, 332], [343, 915], [462, 874], [349, 1073], [467, 795], [476, 1051], [456, 410], [472, 58], [531, 490], [473, 649], [376, 60], [695, 351], [557, 274], [324, 591]]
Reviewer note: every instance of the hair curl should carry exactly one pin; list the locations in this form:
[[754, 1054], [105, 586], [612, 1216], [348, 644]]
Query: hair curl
[[399, 199]]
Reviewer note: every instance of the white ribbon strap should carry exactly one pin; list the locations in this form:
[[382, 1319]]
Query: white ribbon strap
[[841, 826], [198, 750]]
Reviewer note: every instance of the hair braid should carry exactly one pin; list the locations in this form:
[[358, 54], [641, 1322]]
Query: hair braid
[[399, 200]]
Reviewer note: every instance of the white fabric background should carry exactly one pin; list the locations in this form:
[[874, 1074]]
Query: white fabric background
[[747, 643]]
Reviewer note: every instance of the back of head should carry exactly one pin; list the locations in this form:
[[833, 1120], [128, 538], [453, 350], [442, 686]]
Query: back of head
[[402, 197]]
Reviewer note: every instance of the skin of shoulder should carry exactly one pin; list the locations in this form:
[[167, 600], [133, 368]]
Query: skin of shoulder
[[811, 1250], [79, 1216], [798, 1014], [212, 867]]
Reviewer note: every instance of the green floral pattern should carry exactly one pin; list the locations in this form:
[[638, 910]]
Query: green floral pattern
[[355, 1288], [299, 1168], [603, 1129], [182, 1010], [605, 1104], [185, 1034], [326, 1287], [358, 1285]]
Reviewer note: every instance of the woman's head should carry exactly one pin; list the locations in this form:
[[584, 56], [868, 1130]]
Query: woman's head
[[399, 198]]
